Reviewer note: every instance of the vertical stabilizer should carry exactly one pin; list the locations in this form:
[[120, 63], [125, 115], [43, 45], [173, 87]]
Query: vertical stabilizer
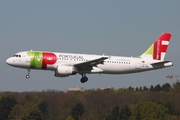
[[157, 50]]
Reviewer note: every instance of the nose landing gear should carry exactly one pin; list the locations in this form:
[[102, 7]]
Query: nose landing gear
[[28, 76]]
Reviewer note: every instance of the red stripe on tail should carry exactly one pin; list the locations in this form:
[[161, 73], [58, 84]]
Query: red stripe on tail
[[158, 47]]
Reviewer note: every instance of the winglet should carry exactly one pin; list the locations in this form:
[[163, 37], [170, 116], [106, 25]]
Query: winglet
[[157, 50]]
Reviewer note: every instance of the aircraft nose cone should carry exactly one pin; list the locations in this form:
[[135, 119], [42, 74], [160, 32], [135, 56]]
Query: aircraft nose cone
[[9, 61]]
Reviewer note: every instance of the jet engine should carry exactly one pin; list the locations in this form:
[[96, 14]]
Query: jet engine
[[65, 71]]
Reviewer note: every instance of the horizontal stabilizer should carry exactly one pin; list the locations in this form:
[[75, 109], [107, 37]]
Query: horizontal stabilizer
[[163, 64]]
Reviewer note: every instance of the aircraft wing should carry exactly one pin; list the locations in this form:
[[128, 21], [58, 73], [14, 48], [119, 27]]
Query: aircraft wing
[[87, 66]]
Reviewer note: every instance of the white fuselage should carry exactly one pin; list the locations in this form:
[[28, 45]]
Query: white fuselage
[[112, 65]]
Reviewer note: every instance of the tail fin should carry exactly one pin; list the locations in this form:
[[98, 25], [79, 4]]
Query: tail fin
[[157, 50]]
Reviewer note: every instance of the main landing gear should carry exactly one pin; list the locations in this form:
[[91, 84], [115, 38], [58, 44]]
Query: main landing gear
[[84, 78], [28, 76]]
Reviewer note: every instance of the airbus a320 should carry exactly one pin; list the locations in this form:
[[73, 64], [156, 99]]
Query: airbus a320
[[66, 64]]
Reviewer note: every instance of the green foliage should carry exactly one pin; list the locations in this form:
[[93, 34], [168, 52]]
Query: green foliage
[[114, 115], [77, 111], [145, 88], [70, 118], [6, 105], [171, 109], [119, 114], [125, 113], [157, 88], [151, 88], [43, 107], [148, 111], [56, 105], [131, 88], [40, 112], [34, 115], [120, 90], [166, 87], [176, 88]]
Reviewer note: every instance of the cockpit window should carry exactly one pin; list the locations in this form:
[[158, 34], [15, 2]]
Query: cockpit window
[[16, 55]]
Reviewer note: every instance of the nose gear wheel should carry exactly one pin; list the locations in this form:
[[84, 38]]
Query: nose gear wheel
[[28, 76]]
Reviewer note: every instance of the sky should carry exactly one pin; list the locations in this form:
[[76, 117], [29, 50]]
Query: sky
[[122, 28]]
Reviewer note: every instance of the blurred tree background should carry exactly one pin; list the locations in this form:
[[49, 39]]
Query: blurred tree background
[[143, 103]]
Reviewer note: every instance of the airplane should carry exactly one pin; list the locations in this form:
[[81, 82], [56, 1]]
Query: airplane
[[66, 64]]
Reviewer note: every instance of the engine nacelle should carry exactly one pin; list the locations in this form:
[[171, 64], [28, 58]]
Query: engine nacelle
[[64, 71]]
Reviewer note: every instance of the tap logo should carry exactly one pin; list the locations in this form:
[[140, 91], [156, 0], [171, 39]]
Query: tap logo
[[41, 59], [49, 58]]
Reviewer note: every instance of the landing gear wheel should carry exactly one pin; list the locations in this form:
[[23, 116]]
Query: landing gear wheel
[[27, 76], [84, 79]]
